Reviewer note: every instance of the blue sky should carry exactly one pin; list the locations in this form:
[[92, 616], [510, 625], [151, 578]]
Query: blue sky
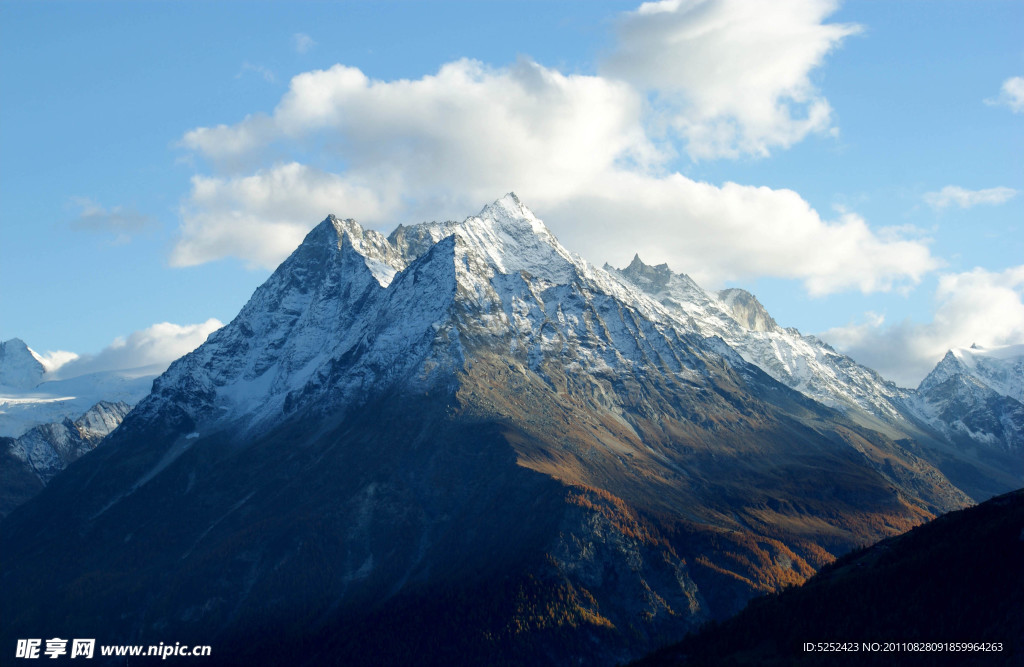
[[858, 166]]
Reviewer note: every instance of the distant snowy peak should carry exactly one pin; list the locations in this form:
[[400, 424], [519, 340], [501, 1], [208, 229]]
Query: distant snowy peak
[[49, 448], [651, 279], [1001, 368], [977, 392], [660, 280], [948, 367], [20, 368], [54, 400]]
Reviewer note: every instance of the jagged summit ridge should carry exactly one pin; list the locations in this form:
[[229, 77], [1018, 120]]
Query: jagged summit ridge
[[405, 303], [505, 235], [801, 362]]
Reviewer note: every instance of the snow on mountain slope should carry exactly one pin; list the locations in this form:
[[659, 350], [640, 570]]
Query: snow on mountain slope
[[349, 292], [1000, 368], [20, 368], [29, 462], [804, 363], [324, 302], [976, 393], [49, 448], [29, 405]]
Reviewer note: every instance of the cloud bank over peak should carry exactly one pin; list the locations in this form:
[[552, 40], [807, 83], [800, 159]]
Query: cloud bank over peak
[[977, 306], [582, 150], [153, 347]]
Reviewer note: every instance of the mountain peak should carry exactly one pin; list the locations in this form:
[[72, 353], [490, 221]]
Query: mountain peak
[[999, 367], [978, 392], [505, 235], [949, 366], [656, 277], [380, 256], [509, 206], [20, 368], [747, 310]]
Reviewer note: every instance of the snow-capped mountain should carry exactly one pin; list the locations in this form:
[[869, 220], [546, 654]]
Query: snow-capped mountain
[[975, 395], [20, 368], [804, 363], [49, 448], [1001, 369], [29, 462], [463, 430], [967, 402], [394, 299], [29, 397]]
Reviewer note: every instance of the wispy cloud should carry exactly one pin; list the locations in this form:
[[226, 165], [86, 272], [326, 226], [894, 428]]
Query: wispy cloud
[[259, 70], [955, 195], [1010, 95], [303, 42], [122, 222]]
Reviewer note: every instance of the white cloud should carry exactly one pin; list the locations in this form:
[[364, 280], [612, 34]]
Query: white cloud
[[52, 361], [303, 42], [157, 345], [465, 124], [1010, 95], [439, 146], [122, 222], [735, 232], [574, 147], [732, 76], [263, 217], [977, 306], [953, 194]]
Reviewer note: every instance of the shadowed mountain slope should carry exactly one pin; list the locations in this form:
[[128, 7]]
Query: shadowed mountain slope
[[954, 579]]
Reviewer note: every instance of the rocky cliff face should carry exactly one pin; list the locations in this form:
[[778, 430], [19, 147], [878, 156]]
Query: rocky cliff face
[[974, 397], [32, 460], [461, 431]]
